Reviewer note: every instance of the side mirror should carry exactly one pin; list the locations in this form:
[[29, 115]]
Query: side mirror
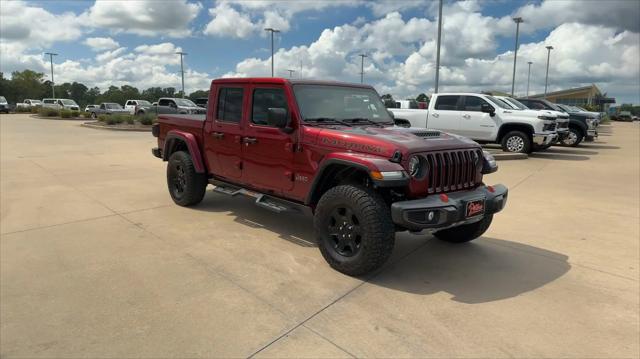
[[486, 108], [277, 117]]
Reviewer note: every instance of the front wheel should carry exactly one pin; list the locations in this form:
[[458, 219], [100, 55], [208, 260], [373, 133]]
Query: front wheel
[[574, 137], [356, 235], [517, 142], [465, 232], [186, 186]]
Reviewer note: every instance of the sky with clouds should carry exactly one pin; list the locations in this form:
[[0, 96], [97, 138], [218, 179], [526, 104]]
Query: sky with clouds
[[101, 43]]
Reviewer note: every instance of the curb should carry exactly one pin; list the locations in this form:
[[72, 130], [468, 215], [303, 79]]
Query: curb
[[125, 129], [510, 156], [57, 118]]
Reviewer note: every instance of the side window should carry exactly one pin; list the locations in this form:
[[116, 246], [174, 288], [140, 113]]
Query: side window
[[534, 105], [473, 103], [164, 102], [102, 106], [129, 103], [447, 103], [266, 98], [230, 104]]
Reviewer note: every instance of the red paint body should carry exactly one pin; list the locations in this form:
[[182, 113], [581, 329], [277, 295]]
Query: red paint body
[[287, 164]]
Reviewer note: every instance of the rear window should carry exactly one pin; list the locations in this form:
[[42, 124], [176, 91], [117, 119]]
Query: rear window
[[230, 104], [447, 103]]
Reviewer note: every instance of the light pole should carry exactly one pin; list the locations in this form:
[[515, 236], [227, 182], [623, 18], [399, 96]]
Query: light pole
[[546, 78], [53, 90], [528, 77], [182, 69], [362, 56], [517, 20], [291, 73], [438, 47], [271, 30]]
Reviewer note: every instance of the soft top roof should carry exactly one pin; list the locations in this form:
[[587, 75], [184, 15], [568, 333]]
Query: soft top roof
[[282, 81]]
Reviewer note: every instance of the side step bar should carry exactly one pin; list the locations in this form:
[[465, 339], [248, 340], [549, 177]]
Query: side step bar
[[265, 201]]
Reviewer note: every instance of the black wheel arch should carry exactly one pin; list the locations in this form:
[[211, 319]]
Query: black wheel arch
[[517, 126], [331, 173]]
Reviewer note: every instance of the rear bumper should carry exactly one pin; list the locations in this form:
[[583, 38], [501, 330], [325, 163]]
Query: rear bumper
[[544, 138], [415, 214], [157, 152]]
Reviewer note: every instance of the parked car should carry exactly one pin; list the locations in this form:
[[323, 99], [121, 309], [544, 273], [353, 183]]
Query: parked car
[[596, 115], [60, 104], [90, 107], [562, 119], [4, 105], [485, 119], [28, 103], [108, 108], [137, 107], [624, 116], [330, 149], [201, 101], [181, 106], [581, 126]]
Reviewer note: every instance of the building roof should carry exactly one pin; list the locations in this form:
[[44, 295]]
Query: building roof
[[569, 91]]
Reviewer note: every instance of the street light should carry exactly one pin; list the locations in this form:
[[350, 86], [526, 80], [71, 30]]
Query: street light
[[438, 47], [528, 77], [517, 20], [53, 90], [362, 56], [291, 73], [182, 69], [271, 30], [546, 78]]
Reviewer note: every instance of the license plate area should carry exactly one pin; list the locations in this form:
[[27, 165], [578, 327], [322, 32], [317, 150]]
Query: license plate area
[[474, 208]]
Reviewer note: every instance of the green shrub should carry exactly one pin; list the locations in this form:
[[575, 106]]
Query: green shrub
[[48, 112], [129, 120], [103, 118], [65, 113], [35, 109], [23, 109], [75, 113], [147, 119], [85, 114]]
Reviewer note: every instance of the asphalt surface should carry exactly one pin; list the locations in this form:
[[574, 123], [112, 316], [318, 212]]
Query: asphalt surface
[[96, 261]]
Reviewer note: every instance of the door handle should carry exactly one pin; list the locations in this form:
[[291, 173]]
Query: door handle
[[466, 116], [218, 135], [249, 140], [435, 115]]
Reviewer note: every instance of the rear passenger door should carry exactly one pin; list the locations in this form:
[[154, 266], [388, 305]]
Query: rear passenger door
[[476, 124], [445, 115], [223, 135]]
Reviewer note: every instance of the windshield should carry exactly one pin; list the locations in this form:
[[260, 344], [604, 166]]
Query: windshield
[[340, 103], [499, 103], [144, 103], [113, 106], [566, 108], [517, 104], [185, 103], [69, 102], [2, 99]]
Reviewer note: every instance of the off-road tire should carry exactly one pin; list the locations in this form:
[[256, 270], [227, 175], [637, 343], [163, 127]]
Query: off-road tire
[[524, 147], [579, 136], [186, 186], [375, 229], [466, 232]]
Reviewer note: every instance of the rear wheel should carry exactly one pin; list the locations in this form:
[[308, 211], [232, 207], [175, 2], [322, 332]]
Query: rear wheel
[[517, 142], [356, 235], [574, 137], [466, 232], [186, 186]]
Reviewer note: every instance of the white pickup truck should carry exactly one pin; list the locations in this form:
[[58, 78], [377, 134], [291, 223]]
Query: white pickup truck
[[484, 119], [28, 103]]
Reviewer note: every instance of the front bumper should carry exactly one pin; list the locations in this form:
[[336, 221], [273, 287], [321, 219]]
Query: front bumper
[[414, 214], [544, 138], [592, 134], [157, 152]]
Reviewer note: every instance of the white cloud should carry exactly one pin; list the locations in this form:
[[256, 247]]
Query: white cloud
[[101, 43], [227, 22], [145, 17]]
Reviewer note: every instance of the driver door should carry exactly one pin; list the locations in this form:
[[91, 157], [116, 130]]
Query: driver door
[[267, 151]]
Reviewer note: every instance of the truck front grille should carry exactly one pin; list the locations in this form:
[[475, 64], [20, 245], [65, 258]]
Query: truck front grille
[[452, 170], [549, 127], [563, 125]]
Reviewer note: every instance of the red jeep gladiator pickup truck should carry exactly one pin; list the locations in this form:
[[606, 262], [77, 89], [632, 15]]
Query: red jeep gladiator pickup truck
[[330, 149]]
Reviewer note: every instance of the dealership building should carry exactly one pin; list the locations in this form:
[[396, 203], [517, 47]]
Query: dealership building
[[580, 96]]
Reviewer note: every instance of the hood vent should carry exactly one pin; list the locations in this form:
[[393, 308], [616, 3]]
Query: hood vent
[[426, 134]]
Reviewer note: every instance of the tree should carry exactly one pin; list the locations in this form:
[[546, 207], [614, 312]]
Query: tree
[[388, 100], [25, 84], [422, 98], [198, 94]]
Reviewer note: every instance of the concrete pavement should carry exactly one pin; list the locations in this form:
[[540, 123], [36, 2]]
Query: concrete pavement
[[97, 261]]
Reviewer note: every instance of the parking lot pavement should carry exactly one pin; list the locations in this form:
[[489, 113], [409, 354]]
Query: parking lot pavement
[[96, 261]]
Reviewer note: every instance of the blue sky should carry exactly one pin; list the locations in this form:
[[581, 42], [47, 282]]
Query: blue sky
[[225, 38]]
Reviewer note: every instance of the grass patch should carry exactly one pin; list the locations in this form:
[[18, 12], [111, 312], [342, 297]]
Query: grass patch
[[48, 112], [147, 119]]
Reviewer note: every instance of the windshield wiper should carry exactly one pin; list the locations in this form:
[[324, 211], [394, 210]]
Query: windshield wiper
[[366, 120], [326, 120]]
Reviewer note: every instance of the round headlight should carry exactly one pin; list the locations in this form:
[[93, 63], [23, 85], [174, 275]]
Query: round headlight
[[414, 166]]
